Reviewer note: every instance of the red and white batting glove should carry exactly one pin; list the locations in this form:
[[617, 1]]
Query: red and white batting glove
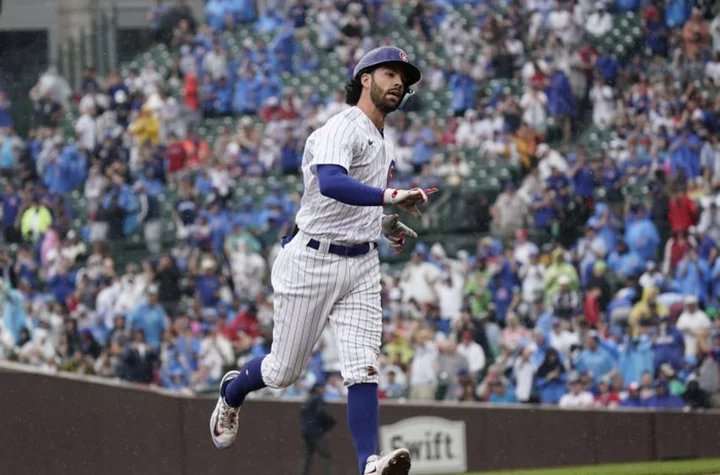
[[407, 200], [396, 232]]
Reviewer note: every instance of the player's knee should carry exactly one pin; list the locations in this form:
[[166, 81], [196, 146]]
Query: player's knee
[[361, 374], [282, 376]]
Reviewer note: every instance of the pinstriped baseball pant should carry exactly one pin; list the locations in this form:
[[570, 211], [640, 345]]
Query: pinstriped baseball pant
[[313, 288]]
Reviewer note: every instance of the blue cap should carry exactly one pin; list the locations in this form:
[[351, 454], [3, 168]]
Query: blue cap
[[389, 55]]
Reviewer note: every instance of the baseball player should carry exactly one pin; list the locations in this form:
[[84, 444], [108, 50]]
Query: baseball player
[[328, 271]]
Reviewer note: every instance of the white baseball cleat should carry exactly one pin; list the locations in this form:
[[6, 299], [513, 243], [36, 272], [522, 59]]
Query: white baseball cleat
[[224, 419], [396, 462]]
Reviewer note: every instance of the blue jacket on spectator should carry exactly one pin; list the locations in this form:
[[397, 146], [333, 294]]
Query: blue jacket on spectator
[[636, 358], [685, 155], [668, 346], [642, 237], [463, 91], [151, 320], [14, 317], [677, 12], [609, 68], [266, 85], [10, 208], [215, 14], [626, 264], [552, 390], [561, 101], [692, 278], [207, 287], [598, 362], [61, 286]]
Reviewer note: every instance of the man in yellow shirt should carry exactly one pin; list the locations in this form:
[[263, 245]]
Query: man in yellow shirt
[[36, 219], [146, 127]]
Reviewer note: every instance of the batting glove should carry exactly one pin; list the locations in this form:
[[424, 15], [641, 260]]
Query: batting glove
[[396, 232], [407, 200]]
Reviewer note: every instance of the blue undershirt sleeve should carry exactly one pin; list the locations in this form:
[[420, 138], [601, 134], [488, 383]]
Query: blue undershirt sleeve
[[335, 183]]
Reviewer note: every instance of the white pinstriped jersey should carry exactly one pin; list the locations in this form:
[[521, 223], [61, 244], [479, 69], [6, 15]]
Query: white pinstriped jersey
[[351, 140]]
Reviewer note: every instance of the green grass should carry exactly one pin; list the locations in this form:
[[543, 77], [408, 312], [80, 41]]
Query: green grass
[[677, 467]]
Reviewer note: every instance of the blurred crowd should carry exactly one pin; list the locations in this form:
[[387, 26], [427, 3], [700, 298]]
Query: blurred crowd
[[584, 295]]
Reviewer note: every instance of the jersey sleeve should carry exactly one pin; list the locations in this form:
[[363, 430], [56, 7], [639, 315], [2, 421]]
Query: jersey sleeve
[[335, 144]]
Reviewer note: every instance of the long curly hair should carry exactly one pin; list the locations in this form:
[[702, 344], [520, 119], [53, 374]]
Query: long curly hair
[[353, 89]]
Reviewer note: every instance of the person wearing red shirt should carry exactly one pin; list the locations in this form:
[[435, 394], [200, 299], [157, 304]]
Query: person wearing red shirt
[[175, 155], [605, 396], [448, 135], [246, 319], [683, 212], [592, 307], [190, 97], [197, 150]]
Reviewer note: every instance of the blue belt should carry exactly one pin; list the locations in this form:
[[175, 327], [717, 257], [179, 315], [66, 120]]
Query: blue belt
[[337, 249], [346, 251]]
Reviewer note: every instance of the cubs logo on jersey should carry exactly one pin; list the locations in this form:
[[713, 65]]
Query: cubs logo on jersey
[[391, 170]]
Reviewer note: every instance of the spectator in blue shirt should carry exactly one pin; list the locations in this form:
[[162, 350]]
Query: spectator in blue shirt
[[625, 262], [551, 378], [14, 316], [692, 275], [662, 399], [207, 285], [685, 153], [215, 14], [223, 97], [609, 68], [677, 12], [244, 11], [560, 184], [545, 211], [596, 358], [583, 178], [10, 208], [289, 154], [150, 317], [463, 88], [62, 284], [308, 60], [500, 394], [561, 101], [641, 234], [668, 344], [633, 399]]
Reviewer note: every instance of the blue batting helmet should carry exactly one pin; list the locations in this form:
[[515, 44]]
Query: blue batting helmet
[[390, 55]]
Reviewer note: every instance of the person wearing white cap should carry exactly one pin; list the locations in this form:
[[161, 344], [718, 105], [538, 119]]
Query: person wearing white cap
[[694, 325], [652, 277], [549, 159]]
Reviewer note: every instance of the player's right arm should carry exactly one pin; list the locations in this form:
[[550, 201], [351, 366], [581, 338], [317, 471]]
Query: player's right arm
[[333, 157]]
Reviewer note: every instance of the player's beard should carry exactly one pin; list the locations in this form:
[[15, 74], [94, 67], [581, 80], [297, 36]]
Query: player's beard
[[382, 101]]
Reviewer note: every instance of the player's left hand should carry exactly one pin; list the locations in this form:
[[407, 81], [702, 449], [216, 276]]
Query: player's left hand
[[396, 232], [407, 200]]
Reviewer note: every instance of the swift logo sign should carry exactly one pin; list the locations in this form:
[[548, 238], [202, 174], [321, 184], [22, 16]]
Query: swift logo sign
[[437, 445]]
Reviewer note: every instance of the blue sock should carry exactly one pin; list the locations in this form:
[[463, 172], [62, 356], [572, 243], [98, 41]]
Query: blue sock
[[362, 416], [249, 380]]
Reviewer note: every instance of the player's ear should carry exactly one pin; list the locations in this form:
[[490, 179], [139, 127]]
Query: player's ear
[[365, 79]]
